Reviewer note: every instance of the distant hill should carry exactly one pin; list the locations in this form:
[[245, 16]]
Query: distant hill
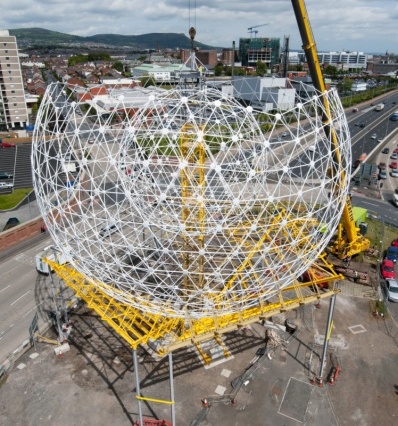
[[35, 37]]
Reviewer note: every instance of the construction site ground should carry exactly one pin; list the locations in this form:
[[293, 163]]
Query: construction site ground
[[94, 384]]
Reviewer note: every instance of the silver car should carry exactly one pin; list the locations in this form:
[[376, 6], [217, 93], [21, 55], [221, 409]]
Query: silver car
[[392, 290], [6, 185]]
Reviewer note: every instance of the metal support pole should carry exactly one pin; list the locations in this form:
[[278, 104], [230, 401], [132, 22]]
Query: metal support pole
[[173, 414], [137, 385], [62, 288], [327, 335], [233, 64], [60, 333], [61, 293]]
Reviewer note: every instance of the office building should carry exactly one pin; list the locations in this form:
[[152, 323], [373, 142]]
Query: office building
[[340, 60], [13, 111], [266, 50]]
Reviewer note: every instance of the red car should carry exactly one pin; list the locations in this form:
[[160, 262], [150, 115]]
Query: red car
[[395, 243], [382, 166], [394, 165], [387, 269], [7, 145]]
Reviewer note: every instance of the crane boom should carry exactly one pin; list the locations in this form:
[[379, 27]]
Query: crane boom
[[251, 30], [352, 242]]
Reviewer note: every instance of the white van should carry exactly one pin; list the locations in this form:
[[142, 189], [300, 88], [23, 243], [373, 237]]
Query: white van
[[109, 228], [51, 253], [395, 200]]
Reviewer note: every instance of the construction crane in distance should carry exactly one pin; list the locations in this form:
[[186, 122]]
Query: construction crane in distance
[[252, 30]]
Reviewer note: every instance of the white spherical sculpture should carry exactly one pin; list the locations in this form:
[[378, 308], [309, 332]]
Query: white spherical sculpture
[[184, 202]]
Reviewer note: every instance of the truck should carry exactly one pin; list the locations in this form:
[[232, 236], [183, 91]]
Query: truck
[[52, 253], [379, 107]]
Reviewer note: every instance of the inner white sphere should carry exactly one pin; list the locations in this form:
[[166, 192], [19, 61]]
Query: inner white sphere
[[186, 203]]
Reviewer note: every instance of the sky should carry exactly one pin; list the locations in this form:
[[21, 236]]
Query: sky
[[369, 26]]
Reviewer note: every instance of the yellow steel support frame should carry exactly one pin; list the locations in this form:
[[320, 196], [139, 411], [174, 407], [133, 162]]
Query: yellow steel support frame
[[193, 186], [139, 327], [352, 242]]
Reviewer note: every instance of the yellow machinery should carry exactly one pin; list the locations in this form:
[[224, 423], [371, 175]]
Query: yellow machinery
[[139, 327], [349, 240]]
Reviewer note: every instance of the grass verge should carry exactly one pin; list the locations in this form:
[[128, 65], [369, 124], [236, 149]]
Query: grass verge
[[9, 201]]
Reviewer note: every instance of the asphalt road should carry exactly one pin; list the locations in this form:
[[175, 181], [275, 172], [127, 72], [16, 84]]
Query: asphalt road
[[376, 122], [23, 293]]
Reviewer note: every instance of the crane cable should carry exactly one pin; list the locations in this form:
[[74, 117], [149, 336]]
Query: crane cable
[[189, 16]]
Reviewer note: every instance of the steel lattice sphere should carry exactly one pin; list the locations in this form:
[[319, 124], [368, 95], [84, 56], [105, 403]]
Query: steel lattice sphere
[[183, 202]]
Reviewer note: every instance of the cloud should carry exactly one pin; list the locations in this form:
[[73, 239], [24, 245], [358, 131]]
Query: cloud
[[364, 25]]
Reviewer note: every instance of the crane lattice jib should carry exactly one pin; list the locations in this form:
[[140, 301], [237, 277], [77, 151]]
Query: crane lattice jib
[[355, 242]]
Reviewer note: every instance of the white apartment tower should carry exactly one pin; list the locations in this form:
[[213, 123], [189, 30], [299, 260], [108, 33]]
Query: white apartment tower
[[13, 111]]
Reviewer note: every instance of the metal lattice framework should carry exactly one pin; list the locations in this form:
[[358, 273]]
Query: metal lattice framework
[[182, 202]]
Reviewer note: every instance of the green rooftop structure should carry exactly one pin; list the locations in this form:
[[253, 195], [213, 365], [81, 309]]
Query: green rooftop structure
[[262, 49]]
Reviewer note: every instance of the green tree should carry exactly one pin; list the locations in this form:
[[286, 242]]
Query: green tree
[[330, 70], [261, 68], [98, 56], [76, 59], [147, 80], [218, 69], [239, 71], [118, 66], [346, 84]]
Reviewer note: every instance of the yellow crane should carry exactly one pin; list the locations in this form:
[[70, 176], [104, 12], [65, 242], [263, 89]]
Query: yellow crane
[[349, 240]]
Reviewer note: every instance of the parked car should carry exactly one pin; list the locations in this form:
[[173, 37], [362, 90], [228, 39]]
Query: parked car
[[394, 173], [385, 151], [285, 134], [6, 175], [380, 140], [394, 243], [374, 136], [394, 165], [7, 145], [4, 185], [392, 290], [382, 174], [362, 125], [382, 166], [392, 253], [387, 269], [394, 156]]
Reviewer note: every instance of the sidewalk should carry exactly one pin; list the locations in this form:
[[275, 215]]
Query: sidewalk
[[24, 213]]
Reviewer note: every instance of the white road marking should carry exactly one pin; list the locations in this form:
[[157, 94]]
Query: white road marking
[[33, 309], [19, 298], [5, 288], [23, 258], [371, 204]]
